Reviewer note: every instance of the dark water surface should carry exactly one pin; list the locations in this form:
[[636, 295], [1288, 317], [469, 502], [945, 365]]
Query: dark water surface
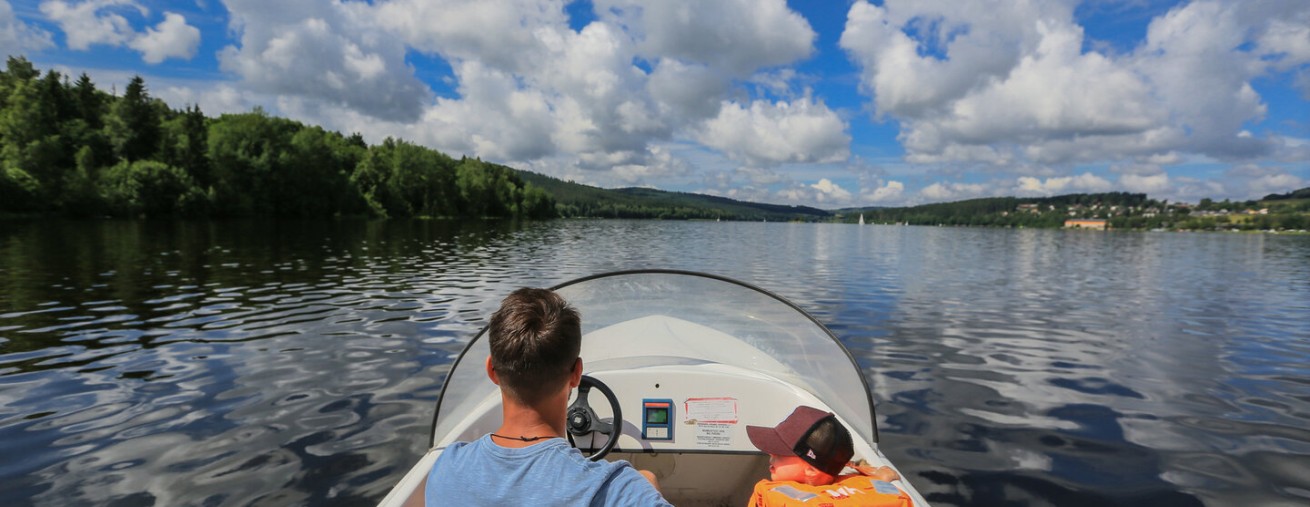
[[297, 363]]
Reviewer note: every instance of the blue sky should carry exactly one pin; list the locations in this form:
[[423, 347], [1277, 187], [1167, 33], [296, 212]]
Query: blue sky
[[829, 103]]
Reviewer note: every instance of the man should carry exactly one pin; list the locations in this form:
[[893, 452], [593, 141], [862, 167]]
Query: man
[[535, 338], [807, 453]]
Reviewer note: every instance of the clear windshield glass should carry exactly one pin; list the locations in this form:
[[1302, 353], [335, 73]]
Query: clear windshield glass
[[760, 333]]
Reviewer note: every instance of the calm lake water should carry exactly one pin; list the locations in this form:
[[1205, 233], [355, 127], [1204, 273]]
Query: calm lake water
[[298, 363]]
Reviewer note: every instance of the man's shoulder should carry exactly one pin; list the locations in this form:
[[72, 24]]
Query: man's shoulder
[[457, 450], [555, 455]]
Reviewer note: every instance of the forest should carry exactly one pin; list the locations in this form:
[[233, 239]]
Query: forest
[[69, 148]]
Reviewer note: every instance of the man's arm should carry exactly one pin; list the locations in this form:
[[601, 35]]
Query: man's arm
[[418, 498], [632, 487], [650, 476]]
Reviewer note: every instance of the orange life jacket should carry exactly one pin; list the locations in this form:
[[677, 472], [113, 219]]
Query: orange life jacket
[[854, 490]]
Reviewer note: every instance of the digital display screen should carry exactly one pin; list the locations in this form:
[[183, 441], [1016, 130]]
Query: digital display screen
[[657, 415]]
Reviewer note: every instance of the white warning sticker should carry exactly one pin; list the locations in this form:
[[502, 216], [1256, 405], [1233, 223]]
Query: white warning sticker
[[710, 410], [713, 436]]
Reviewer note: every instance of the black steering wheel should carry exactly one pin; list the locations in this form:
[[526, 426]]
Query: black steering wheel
[[583, 420]]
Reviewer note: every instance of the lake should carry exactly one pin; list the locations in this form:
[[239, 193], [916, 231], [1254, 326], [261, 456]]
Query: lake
[[298, 363]]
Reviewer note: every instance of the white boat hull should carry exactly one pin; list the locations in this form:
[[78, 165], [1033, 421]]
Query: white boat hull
[[719, 377]]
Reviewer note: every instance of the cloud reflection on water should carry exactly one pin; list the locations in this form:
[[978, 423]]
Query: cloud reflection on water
[[272, 364]]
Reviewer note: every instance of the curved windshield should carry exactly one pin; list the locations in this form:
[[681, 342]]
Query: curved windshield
[[761, 333]]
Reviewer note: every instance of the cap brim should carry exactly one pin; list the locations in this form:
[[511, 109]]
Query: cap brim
[[767, 440]]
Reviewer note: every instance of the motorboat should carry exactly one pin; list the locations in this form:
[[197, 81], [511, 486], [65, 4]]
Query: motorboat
[[683, 362]]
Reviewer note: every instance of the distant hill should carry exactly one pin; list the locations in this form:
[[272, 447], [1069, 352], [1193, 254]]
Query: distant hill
[[1000, 211], [1123, 210], [1296, 201], [578, 200], [1295, 194]]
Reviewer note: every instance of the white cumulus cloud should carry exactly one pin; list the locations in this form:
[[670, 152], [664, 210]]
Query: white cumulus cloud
[[1274, 183], [1260, 180], [1287, 41], [737, 36], [953, 191], [531, 90], [780, 132], [333, 54], [17, 37], [830, 191], [171, 38], [888, 192], [659, 164], [1013, 82], [1145, 183], [93, 21], [1085, 182], [823, 193], [103, 22], [506, 35]]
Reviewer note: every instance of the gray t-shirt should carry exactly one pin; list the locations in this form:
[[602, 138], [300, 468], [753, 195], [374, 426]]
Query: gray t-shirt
[[547, 473]]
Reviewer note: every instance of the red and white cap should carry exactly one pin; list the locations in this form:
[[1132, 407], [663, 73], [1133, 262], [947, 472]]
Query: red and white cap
[[810, 434]]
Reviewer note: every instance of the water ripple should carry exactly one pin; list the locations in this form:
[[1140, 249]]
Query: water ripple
[[298, 363]]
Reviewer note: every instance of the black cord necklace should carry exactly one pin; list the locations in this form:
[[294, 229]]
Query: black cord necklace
[[522, 438]]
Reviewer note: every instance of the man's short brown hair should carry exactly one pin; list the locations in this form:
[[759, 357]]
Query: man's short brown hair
[[535, 338]]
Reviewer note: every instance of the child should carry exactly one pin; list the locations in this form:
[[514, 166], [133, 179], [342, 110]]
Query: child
[[807, 453]]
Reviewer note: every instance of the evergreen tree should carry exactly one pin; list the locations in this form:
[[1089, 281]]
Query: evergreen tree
[[133, 127], [54, 88], [17, 70], [184, 143], [90, 102]]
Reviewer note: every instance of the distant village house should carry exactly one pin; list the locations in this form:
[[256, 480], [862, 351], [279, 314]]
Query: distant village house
[[1087, 223]]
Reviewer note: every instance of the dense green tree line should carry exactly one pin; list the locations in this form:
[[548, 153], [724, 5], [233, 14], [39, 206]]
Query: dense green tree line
[[1272, 222], [70, 148], [1295, 201], [1123, 210]]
